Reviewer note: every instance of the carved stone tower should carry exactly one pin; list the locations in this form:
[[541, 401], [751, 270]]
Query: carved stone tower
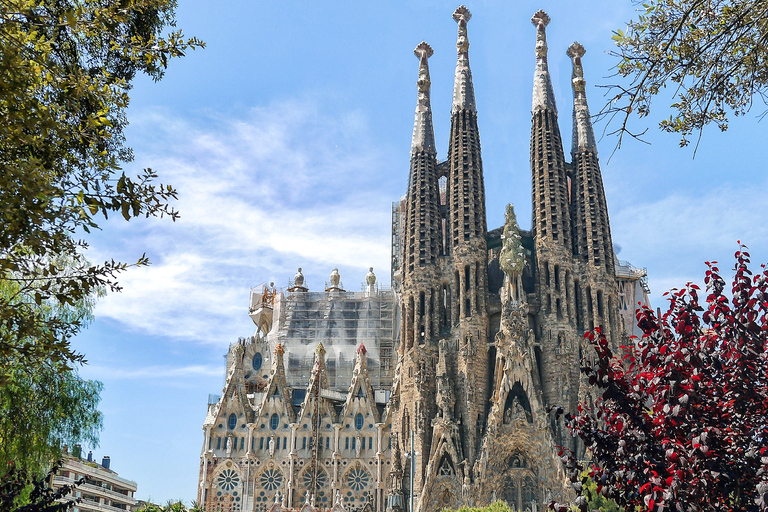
[[467, 233], [592, 244], [555, 281], [420, 286]]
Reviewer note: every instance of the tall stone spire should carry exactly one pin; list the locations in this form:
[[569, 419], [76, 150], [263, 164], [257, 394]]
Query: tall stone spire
[[463, 90], [552, 221], [423, 132], [552, 231], [423, 227], [466, 190], [583, 134], [466, 233], [543, 96], [592, 243]]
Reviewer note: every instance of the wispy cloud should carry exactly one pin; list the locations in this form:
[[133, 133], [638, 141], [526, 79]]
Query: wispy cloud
[[675, 234], [157, 372], [279, 187]]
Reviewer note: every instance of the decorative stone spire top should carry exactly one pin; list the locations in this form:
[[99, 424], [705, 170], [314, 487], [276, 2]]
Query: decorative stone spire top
[[463, 90], [543, 96], [583, 134], [423, 132]]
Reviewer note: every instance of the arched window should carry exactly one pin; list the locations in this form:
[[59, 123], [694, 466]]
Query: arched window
[[359, 421], [256, 361], [232, 421], [274, 421]]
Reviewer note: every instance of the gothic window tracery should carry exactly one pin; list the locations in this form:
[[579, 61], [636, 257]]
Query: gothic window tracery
[[226, 492], [271, 479], [322, 478], [358, 479], [227, 480], [519, 484]]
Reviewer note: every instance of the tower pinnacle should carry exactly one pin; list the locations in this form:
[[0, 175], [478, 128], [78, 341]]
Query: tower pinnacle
[[423, 132], [543, 96], [583, 134], [463, 90]]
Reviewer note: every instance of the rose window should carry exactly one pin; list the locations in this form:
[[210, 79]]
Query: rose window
[[358, 479], [322, 478], [271, 479], [228, 480]]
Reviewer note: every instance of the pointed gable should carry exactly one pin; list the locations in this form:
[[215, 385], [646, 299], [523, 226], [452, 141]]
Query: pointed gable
[[277, 398], [318, 382], [360, 398]]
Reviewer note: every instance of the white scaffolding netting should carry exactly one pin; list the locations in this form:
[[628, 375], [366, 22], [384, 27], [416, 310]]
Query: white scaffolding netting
[[340, 320]]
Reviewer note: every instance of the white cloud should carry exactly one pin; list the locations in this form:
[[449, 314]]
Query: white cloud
[[281, 187], [674, 235], [153, 372]]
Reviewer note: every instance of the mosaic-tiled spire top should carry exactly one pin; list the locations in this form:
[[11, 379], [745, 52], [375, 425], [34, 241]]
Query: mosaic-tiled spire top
[[543, 96], [423, 132], [463, 90], [583, 134]]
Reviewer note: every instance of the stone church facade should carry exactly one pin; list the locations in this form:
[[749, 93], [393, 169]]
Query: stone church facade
[[433, 393]]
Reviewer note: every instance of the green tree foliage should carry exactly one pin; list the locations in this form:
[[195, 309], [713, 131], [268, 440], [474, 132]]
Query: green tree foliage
[[66, 68], [594, 499], [710, 53], [497, 506], [46, 406], [43, 409], [170, 506], [22, 492]]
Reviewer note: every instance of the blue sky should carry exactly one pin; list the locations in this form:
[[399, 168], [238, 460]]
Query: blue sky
[[288, 138]]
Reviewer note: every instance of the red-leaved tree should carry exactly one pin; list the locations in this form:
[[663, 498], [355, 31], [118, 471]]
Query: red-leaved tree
[[682, 424]]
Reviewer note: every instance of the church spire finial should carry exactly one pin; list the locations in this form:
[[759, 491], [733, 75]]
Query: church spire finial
[[583, 134], [463, 90], [543, 96], [423, 132]]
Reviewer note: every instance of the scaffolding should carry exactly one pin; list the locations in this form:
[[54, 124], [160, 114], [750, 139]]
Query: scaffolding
[[341, 320]]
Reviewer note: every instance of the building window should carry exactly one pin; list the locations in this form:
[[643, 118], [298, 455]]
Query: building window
[[346, 443], [256, 361], [232, 421], [218, 443], [274, 421], [358, 479], [359, 421], [271, 479]]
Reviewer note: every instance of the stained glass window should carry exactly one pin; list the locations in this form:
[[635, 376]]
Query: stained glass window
[[271, 479], [358, 479], [227, 480]]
